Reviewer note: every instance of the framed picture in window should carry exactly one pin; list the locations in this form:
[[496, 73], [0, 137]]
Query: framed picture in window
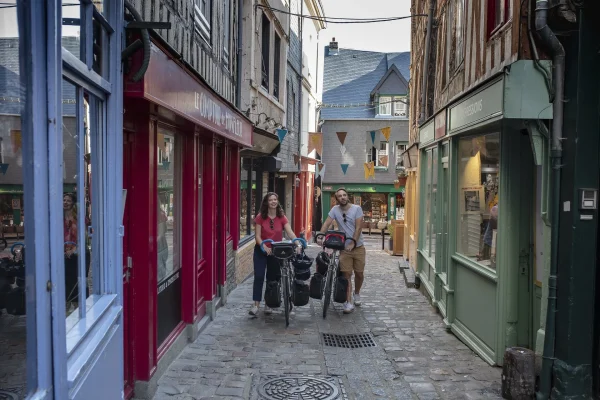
[[357, 200], [472, 200]]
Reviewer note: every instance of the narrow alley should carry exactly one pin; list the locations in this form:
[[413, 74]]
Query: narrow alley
[[414, 357]]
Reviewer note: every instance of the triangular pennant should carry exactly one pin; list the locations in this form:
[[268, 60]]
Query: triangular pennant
[[281, 134], [3, 168], [296, 158], [367, 170], [343, 149], [344, 168], [15, 138], [383, 161], [386, 133], [342, 137], [322, 171], [373, 137], [317, 172]]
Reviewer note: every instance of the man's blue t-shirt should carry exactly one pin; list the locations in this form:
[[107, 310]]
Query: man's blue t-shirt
[[352, 214]]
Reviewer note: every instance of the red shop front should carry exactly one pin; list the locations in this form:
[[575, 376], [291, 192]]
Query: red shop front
[[304, 198], [181, 162]]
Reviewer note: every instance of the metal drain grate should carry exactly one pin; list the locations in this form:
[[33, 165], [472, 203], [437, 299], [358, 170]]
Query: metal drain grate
[[351, 341], [298, 388]]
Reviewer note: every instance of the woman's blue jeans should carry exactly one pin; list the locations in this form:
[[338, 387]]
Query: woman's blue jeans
[[262, 264]]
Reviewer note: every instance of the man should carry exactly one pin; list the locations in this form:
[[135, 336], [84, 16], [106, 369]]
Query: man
[[349, 219]]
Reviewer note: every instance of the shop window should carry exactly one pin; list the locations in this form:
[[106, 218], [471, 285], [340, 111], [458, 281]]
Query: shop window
[[478, 191], [265, 51], [200, 200], [248, 193], [226, 30], [203, 17], [430, 158], [455, 34], [276, 66]]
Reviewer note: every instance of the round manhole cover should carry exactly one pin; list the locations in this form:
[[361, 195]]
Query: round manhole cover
[[4, 395], [296, 388]]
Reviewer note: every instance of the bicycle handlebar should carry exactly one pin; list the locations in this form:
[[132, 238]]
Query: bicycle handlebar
[[302, 243]]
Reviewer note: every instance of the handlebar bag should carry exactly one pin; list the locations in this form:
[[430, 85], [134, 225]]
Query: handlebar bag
[[300, 294], [340, 290], [335, 241], [283, 250], [273, 294], [317, 284]]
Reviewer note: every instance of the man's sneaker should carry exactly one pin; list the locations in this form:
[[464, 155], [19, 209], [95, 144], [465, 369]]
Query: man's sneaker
[[253, 311], [268, 310], [348, 307], [357, 301]]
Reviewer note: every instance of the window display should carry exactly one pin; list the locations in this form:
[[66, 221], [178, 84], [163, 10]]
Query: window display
[[478, 180], [247, 198]]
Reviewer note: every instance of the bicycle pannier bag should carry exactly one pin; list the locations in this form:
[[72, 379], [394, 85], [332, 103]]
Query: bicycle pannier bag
[[322, 263], [317, 284], [302, 264], [273, 294], [335, 241], [340, 290], [300, 294]]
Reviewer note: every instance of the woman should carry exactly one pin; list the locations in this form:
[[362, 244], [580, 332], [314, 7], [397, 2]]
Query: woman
[[269, 224]]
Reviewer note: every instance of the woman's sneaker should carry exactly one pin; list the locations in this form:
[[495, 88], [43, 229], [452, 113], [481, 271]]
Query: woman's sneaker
[[348, 307], [253, 311]]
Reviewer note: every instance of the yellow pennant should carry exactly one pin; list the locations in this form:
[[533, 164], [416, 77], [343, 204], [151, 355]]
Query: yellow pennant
[[386, 132]]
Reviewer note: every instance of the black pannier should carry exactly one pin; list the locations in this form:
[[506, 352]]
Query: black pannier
[[302, 264], [317, 285], [322, 263], [340, 289], [335, 241], [300, 296], [273, 294]]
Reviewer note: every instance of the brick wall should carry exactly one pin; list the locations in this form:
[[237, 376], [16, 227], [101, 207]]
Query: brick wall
[[243, 261]]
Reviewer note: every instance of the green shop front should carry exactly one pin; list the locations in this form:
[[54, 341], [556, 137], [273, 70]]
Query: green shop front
[[484, 232], [380, 203]]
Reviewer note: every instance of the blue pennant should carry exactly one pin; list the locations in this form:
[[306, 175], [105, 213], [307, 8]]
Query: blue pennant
[[3, 168], [281, 133], [344, 168], [373, 137]]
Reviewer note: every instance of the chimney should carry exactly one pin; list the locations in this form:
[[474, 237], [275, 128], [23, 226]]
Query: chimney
[[333, 48]]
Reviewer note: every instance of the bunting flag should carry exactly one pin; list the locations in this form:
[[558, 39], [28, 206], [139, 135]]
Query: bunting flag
[[386, 133], [3, 168], [15, 138], [373, 137], [296, 158], [281, 134], [315, 142], [343, 149], [369, 170], [322, 170], [341, 137], [344, 168], [383, 161]]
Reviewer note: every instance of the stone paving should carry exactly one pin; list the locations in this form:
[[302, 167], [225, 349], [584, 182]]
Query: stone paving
[[13, 360], [414, 358]]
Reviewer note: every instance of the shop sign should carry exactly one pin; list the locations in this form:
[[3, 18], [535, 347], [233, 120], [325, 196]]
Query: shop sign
[[364, 189], [426, 133], [440, 124], [167, 84], [483, 105]]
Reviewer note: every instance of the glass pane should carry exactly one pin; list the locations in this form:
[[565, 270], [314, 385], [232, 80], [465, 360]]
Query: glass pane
[[82, 126], [434, 186], [13, 334], [478, 180], [244, 206], [169, 201], [427, 173], [71, 27], [254, 198]]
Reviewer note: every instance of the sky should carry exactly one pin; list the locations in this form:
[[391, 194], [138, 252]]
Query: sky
[[393, 36]]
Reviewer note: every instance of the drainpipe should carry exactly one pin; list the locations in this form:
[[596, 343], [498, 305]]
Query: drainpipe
[[426, 61], [240, 33], [553, 45], [301, 37]]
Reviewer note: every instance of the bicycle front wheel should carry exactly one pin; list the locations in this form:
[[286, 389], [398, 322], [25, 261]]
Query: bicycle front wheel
[[286, 299], [327, 294]]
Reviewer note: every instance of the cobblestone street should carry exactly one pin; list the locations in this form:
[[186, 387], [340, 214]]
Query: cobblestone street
[[414, 356]]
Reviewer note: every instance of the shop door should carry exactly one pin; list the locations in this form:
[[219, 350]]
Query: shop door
[[444, 226], [220, 259], [127, 267], [280, 190]]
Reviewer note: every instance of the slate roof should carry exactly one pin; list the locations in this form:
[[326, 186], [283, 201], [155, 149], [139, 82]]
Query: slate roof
[[11, 96], [351, 75]]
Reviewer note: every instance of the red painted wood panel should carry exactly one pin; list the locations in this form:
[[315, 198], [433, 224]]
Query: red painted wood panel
[[189, 189]]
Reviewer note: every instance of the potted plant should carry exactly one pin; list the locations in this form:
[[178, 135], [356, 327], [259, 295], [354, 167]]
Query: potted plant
[[402, 175]]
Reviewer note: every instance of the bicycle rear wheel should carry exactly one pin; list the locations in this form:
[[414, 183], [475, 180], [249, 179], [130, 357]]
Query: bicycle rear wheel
[[327, 294], [286, 299]]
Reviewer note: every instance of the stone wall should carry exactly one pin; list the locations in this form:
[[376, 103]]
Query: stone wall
[[243, 262]]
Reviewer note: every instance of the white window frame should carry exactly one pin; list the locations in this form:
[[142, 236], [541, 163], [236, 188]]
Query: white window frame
[[400, 107], [383, 152], [385, 105], [203, 18], [400, 148]]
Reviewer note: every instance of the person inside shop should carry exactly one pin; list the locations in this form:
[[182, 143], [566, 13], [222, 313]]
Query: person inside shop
[[349, 218], [71, 232], [270, 223], [488, 235]]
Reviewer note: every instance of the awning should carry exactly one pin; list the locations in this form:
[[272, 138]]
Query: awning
[[263, 143]]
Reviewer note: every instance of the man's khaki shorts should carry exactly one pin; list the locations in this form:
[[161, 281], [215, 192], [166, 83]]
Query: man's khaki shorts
[[353, 260]]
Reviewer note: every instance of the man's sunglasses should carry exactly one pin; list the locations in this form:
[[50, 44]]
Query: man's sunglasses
[[344, 215]]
